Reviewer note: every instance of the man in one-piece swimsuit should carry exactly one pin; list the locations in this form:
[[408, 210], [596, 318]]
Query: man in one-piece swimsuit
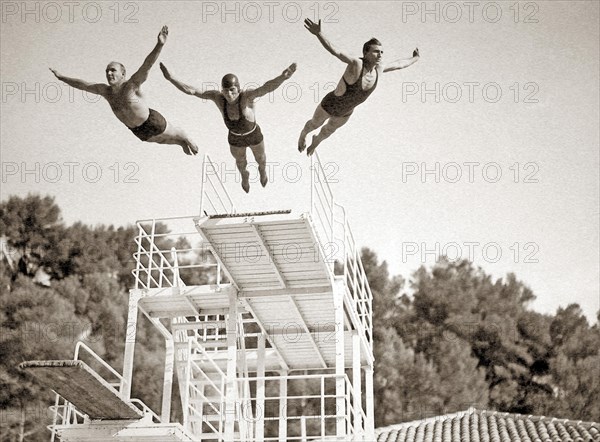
[[129, 105], [358, 82], [237, 108]]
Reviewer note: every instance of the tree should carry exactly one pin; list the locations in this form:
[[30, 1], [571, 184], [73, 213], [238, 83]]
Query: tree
[[36, 324], [31, 226]]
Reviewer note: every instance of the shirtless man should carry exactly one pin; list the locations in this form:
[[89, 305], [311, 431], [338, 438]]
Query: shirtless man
[[355, 86], [237, 108], [129, 105]]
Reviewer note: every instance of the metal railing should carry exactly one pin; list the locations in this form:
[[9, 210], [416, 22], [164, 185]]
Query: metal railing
[[320, 424], [195, 417], [214, 198], [206, 411], [159, 263], [333, 227], [322, 208], [158, 267]]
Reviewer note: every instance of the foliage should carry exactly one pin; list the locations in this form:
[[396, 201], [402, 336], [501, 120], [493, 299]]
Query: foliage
[[459, 339], [463, 339]]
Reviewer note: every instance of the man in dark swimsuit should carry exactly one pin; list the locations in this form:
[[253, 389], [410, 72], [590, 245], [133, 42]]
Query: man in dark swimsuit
[[358, 82], [129, 105], [237, 108]]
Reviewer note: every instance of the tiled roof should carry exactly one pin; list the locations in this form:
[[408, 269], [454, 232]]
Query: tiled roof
[[490, 426]]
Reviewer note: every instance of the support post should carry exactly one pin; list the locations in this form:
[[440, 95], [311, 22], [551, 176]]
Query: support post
[[357, 387], [260, 390], [283, 405], [370, 424], [130, 334], [231, 385], [340, 385], [303, 429], [165, 411]]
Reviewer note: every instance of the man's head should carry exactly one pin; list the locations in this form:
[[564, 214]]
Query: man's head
[[115, 72], [230, 87], [372, 50]]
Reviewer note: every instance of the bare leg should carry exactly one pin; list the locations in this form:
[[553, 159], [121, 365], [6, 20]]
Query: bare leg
[[258, 151], [314, 123], [332, 125], [239, 153], [175, 135]]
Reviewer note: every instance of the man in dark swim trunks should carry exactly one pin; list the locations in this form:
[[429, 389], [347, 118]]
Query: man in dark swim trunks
[[237, 108], [358, 82], [129, 105]]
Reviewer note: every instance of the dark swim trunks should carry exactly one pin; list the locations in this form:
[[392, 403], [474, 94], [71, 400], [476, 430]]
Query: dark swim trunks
[[154, 125], [250, 139]]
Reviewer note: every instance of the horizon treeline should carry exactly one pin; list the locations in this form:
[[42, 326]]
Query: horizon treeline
[[460, 339]]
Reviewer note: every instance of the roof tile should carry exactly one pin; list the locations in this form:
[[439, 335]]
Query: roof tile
[[490, 426]]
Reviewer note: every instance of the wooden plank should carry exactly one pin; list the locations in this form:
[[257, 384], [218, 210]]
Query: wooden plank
[[296, 287], [79, 384], [291, 247], [324, 290], [298, 235], [263, 262], [277, 227], [155, 432], [314, 282], [242, 235], [260, 267], [246, 259], [262, 217], [225, 225], [247, 214]]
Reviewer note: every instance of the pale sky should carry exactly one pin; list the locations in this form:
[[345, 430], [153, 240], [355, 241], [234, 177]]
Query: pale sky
[[487, 148]]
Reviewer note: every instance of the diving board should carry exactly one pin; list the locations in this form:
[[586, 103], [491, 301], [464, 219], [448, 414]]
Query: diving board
[[83, 387]]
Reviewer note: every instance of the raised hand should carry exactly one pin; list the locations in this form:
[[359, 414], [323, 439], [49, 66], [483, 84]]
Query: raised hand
[[290, 71], [313, 28], [416, 52], [55, 72], [165, 71], [162, 35]]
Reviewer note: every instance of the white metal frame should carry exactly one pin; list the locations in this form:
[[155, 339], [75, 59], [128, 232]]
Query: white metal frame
[[215, 381]]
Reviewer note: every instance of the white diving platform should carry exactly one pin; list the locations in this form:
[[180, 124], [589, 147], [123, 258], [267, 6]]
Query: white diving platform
[[263, 251], [260, 311]]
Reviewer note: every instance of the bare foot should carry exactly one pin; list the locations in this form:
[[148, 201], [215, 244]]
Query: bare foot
[[312, 147], [301, 143], [246, 182], [264, 179], [186, 149], [193, 149]]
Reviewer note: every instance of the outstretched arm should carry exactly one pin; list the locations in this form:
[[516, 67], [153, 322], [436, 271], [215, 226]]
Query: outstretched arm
[[315, 29], [94, 88], [273, 84], [404, 63], [142, 73], [186, 88]]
